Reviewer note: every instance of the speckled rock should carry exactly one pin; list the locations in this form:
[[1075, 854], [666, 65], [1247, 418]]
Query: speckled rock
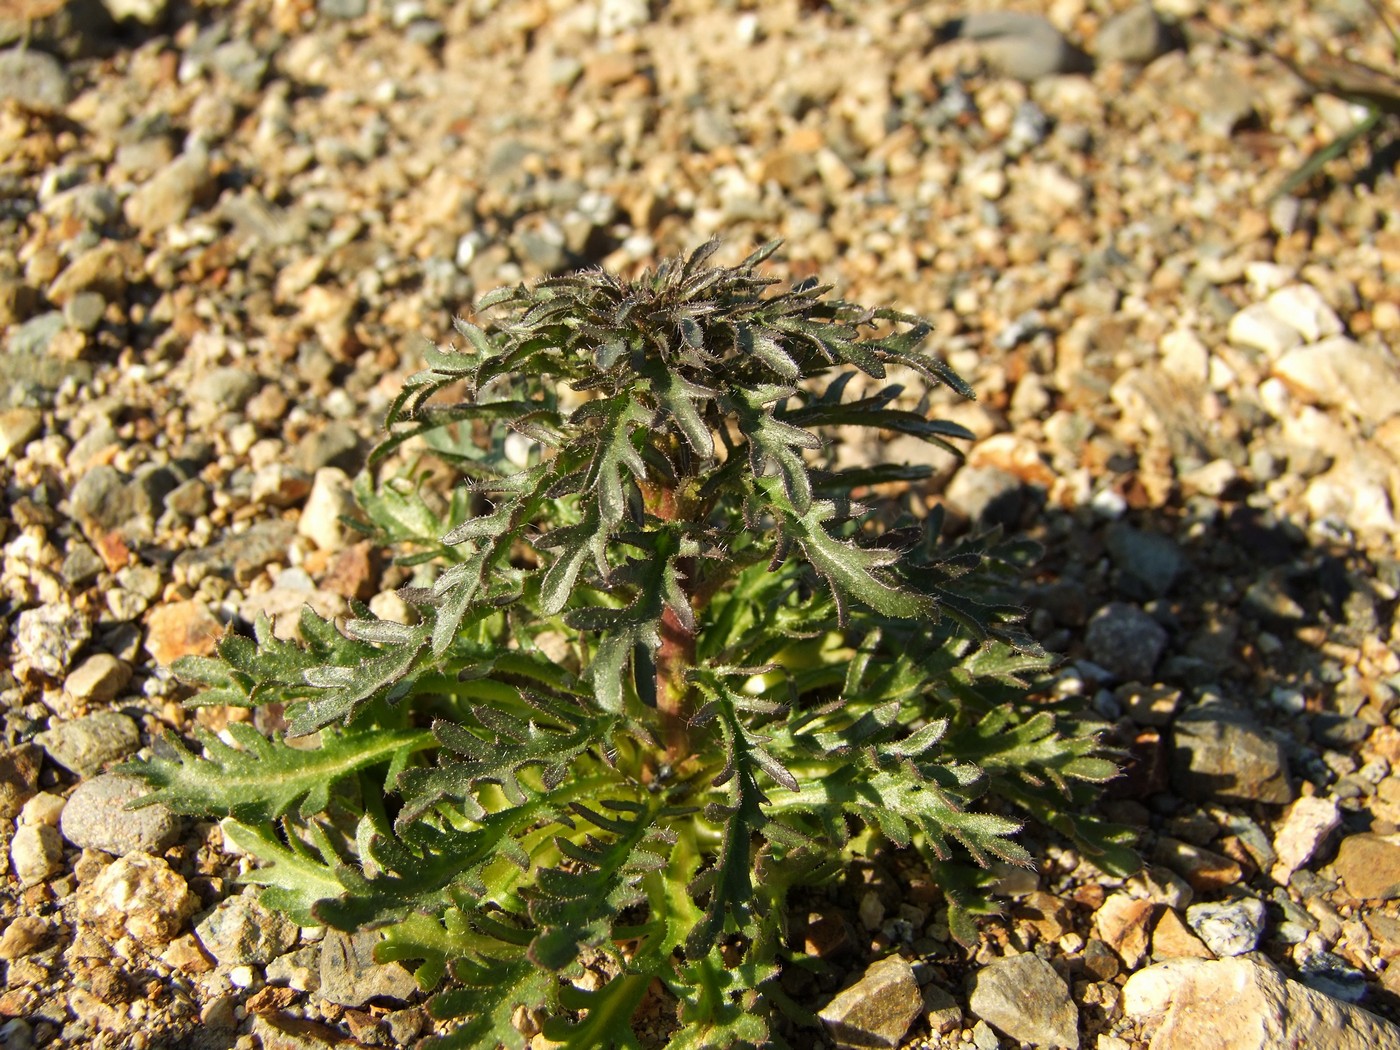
[[1244, 1005], [351, 977], [140, 895], [1228, 927], [1219, 751], [86, 745], [47, 638], [1022, 996], [1126, 641], [97, 817], [878, 1009], [240, 931]]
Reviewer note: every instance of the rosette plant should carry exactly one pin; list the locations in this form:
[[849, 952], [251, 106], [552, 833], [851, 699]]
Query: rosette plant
[[665, 667]]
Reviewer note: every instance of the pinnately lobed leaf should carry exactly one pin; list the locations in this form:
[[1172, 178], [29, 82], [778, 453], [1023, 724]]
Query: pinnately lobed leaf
[[664, 667]]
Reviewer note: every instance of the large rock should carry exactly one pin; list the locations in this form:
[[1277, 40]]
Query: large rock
[[1236, 1004], [1025, 998], [1220, 752], [878, 1009]]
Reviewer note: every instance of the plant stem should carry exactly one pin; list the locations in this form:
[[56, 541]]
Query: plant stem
[[673, 659], [676, 655]]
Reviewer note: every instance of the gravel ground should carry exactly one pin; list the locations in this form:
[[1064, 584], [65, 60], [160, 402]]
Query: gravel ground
[[227, 229]]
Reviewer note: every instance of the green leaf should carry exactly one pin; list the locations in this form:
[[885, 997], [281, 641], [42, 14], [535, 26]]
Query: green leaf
[[851, 570], [261, 780]]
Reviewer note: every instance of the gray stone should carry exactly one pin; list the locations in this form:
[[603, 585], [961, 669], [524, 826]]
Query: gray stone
[[189, 499], [1024, 46], [35, 334], [33, 78], [241, 931], [84, 311], [101, 498], [1148, 563], [240, 556], [878, 1009], [343, 9], [1136, 35], [941, 1010], [85, 745], [224, 389], [1025, 998], [1244, 1005], [300, 969], [241, 62], [1126, 641], [47, 638], [29, 379], [1220, 752], [1332, 975], [81, 565], [1228, 928], [97, 817], [351, 977]]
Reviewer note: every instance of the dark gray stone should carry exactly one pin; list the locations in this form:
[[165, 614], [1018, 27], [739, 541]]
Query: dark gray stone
[[1220, 752], [1126, 641], [1339, 732], [81, 565], [97, 817], [1148, 563]]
